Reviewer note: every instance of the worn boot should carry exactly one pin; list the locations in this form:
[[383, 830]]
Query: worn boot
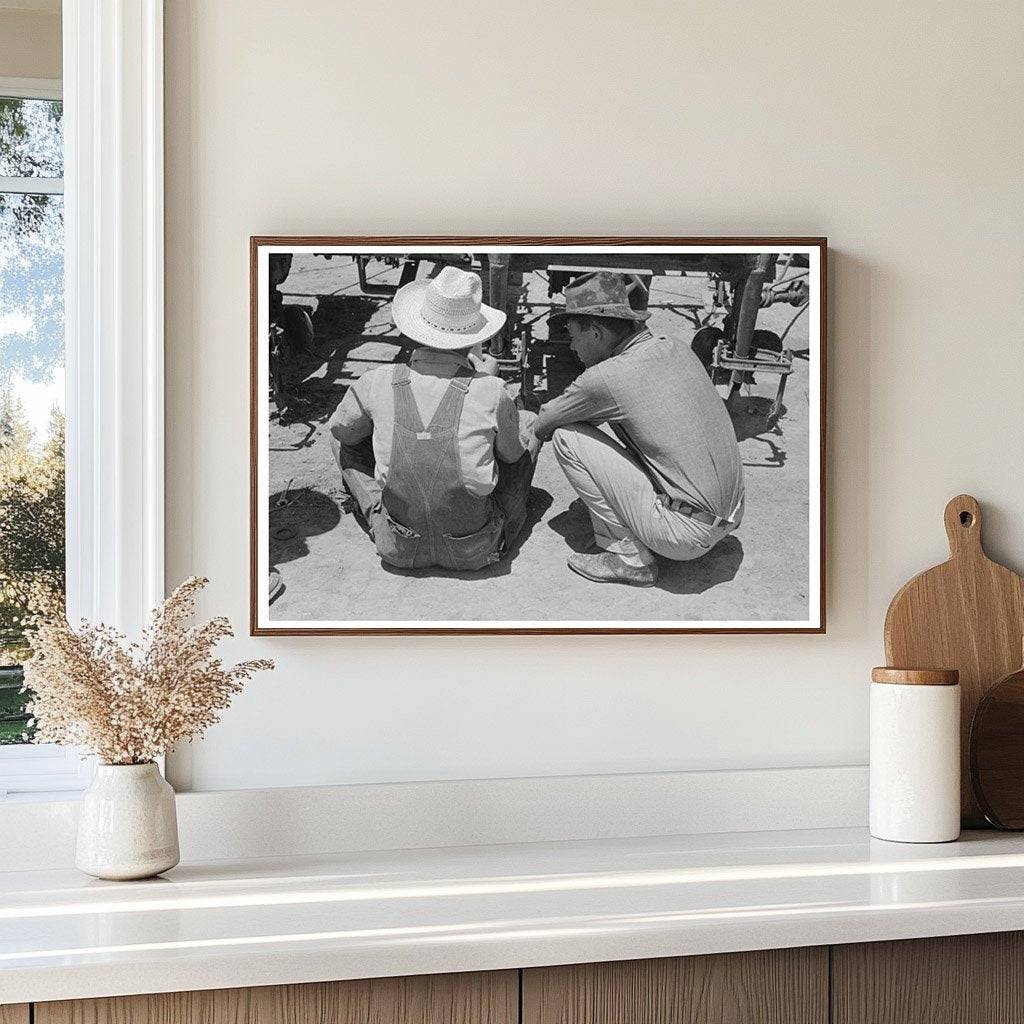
[[608, 567]]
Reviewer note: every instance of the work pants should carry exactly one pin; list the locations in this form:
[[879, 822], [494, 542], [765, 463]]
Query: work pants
[[627, 515]]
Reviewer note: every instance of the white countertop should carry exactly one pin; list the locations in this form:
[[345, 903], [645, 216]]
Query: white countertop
[[261, 922]]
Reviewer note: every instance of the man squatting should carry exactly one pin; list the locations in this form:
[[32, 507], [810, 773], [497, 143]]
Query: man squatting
[[453, 493]]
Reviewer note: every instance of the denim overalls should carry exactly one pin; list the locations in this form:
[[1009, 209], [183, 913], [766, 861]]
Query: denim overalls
[[427, 517]]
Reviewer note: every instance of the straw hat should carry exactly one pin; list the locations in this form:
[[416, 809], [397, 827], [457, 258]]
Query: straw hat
[[445, 311]]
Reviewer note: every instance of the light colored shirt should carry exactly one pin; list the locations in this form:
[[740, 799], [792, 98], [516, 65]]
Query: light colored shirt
[[657, 397], [488, 427]]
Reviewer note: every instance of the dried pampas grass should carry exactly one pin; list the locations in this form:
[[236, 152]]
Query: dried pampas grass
[[129, 703]]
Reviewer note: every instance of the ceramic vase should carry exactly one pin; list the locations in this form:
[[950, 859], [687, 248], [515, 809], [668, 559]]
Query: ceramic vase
[[127, 825]]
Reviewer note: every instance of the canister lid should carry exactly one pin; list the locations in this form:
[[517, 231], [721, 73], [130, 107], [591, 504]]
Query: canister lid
[[916, 676]]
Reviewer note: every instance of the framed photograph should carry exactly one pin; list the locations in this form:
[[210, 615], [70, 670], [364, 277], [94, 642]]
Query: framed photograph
[[537, 435]]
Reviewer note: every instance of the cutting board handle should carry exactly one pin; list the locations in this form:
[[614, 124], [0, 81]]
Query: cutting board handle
[[963, 526]]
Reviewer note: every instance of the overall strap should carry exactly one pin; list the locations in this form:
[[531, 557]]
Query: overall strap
[[449, 409], [407, 414]]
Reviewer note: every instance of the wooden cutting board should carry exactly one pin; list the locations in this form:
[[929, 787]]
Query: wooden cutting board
[[967, 614]]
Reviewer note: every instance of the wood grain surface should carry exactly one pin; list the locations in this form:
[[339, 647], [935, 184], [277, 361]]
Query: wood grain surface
[[967, 614], [915, 676], [479, 998], [997, 752], [14, 1013], [779, 986], [962, 979]]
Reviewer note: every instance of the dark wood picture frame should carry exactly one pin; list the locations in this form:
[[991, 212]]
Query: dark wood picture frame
[[256, 242]]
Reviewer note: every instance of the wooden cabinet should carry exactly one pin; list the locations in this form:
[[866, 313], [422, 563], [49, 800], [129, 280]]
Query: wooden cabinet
[[970, 979], [962, 979], [777, 986], [482, 998]]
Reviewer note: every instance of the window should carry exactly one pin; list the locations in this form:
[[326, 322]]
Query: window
[[109, 207], [32, 513]]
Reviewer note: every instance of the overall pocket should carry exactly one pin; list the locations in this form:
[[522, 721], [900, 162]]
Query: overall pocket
[[479, 549], [396, 544]]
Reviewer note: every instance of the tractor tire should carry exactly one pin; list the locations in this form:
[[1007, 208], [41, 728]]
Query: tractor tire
[[298, 329], [767, 340], [703, 345]]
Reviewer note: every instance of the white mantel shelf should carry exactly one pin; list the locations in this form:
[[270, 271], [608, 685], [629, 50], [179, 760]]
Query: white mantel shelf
[[264, 922]]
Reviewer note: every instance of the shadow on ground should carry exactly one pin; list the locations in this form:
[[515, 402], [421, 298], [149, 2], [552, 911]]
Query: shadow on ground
[[749, 415], [296, 515], [719, 565], [318, 379], [574, 526]]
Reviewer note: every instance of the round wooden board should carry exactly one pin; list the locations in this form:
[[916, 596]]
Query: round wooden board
[[997, 752]]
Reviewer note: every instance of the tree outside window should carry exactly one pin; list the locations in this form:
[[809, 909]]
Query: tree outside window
[[32, 554]]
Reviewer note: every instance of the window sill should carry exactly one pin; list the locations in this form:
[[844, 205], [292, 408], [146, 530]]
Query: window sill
[[32, 772]]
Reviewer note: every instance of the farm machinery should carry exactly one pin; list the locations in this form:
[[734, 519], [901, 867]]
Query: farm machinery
[[726, 339]]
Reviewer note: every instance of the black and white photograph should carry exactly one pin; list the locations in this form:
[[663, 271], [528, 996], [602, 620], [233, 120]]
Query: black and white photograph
[[537, 435]]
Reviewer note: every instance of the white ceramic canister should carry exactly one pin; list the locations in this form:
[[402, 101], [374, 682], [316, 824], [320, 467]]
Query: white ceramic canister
[[127, 823], [915, 755]]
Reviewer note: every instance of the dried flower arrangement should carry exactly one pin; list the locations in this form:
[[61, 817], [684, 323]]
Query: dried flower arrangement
[[130, 703]]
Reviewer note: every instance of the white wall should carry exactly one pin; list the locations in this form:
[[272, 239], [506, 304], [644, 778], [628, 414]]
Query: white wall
[[30, 40], [895, 129]]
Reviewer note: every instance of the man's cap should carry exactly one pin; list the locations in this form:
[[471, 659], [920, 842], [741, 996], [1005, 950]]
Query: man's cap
[[600, 293]]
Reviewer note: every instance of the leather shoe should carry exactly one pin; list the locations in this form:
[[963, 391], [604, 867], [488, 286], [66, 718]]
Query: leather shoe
[[608, 567]]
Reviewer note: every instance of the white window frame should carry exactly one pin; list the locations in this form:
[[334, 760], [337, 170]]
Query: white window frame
[[32, 88], [114, 326]]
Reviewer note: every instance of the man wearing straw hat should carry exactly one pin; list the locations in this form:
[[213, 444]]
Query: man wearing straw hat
[[431, 451], [670, 480]]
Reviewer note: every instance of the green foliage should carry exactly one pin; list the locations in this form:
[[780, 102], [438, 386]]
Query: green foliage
[[15, 429], [32, 550], [14, 722], [31, 138]]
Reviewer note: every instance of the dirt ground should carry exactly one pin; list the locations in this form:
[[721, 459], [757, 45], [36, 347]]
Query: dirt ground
[[331, 570]]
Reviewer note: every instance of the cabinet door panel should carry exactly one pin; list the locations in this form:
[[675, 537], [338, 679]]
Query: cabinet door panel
[[480, 998], [960, 979], [777, 986], [14, 1013]]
